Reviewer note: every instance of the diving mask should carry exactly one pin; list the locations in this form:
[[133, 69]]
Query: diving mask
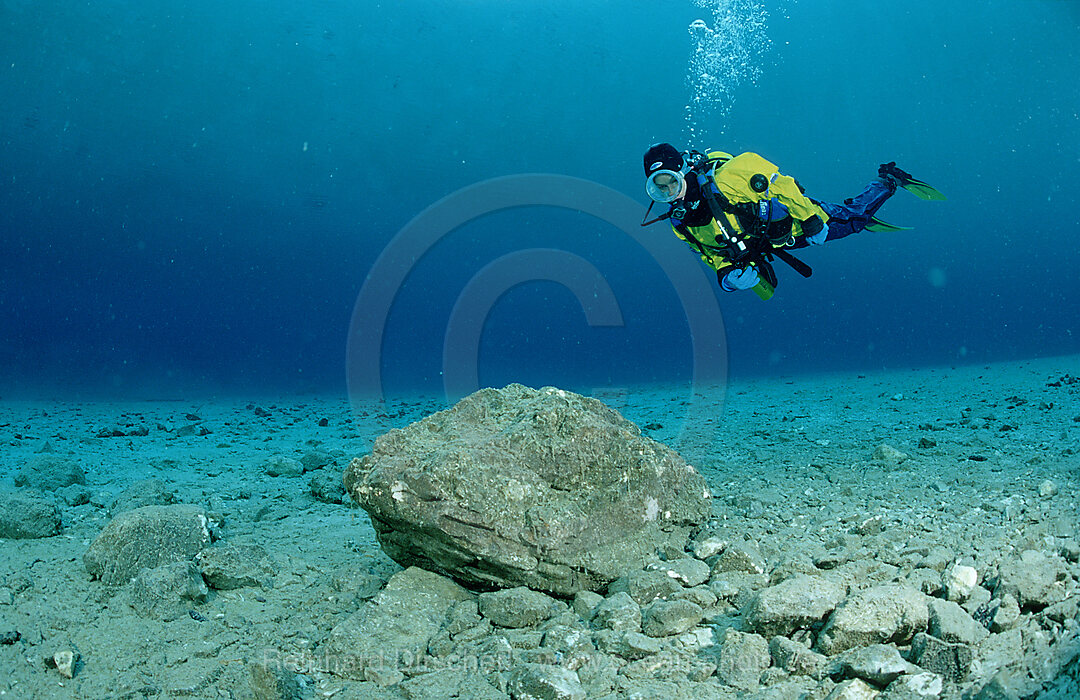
[[665, 186]]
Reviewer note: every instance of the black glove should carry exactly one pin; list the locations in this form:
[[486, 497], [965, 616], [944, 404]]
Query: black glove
[[812, 225]]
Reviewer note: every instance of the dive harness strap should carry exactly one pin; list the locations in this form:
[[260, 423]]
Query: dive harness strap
[[759, 251]]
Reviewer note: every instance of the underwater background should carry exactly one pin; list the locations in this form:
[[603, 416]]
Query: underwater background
[[191, 197]]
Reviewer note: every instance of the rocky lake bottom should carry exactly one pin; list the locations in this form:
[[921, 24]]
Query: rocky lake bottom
[[903, 534]]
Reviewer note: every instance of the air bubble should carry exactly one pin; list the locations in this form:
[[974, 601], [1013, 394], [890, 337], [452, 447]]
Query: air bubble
[[725, 55]]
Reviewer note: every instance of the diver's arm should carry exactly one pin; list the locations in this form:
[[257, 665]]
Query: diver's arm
[[810, 216]]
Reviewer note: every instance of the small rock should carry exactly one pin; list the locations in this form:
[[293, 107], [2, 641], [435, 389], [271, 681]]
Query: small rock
[[230, 566], [48, 472], [741, 557], [952, 661], [315, 459], [24, 516], [878, 664], [645, 586], [797, 659], [960, 581], [742, 659], [8, 637], [1000, 614], [889, 455], [168, 591], [1034, 578], [618, 612], [517, 607], [926, 443], [146, 537], [797, 603], [274, 681], [146, 492], [708, 547], [1047, 489], [544, 682], [878, 615], [280, 465], [951, 623], [920, 686], [855, 689], [585, 603], [398, 623], [64, 662], [689, 572], [663, 618]]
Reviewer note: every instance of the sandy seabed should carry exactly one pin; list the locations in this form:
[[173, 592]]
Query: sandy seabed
[[992, 468]]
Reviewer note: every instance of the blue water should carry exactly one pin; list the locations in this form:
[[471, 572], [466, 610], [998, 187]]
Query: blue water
[[191, 196]]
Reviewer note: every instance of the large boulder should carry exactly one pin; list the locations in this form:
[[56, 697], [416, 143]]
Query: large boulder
[[519, 486]]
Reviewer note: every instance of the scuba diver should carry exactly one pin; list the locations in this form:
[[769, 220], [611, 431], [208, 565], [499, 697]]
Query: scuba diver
[[739, 212]]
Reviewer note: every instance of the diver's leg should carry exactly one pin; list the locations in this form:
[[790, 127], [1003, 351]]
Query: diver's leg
[[855, 213]]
